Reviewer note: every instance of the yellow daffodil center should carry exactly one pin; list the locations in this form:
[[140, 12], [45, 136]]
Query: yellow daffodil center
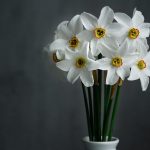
[[73, 42], [133, 33], [80, 62], [141, 64], [99, 33], [116, 62]]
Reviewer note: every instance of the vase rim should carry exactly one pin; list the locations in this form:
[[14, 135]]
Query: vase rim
[[114, 141]]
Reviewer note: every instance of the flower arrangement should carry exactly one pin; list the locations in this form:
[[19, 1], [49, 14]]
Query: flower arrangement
[[102, 52]]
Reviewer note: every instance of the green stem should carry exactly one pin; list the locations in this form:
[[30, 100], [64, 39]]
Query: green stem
[[116, 104], [107, 97], [99, 103], [96, 106], [87, 112], [107, 104], [107, 118], [91, 111], [99, 116]]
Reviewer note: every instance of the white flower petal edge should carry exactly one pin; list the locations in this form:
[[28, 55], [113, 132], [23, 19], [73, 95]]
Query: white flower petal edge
[[144, 81], [87, 78], [112, 76], [64, 65], [123, 19], [106, 16], [75, 25], [134, 74], [85, 35], [138, 18], [58, 44], [73, 75], [58, 32], [123, 72], [89, 21]]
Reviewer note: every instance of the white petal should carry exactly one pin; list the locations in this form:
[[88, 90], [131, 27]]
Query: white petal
[[58, 44], [64, 65], [134, 11], [147, 70], [138, 18], [147, 58], [112, 77], [90, 56], [85, 35], [75, 25], [110, 41], [144, 32], [144, 41], [73, 75], [59, 34], [107, 51], [69, 54], [130, 60], [93, 65], [116, 30], [85, 49], [144, 81], [93, 45], [63, 23], [104, 63], [106, 16], [123, 19], [123, 38], [123, 72], [89, 21], [141, 45], [133, 44], [87, 78], [144, 25], [66, 32], [134, 74], [123, 49]]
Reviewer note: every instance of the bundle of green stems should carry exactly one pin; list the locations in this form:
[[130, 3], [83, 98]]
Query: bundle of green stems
[[101, 104]]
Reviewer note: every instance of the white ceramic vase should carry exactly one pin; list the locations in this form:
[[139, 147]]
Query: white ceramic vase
[[109, 145]]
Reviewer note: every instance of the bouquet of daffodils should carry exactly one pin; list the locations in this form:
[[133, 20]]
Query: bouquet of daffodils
[[102, 52]]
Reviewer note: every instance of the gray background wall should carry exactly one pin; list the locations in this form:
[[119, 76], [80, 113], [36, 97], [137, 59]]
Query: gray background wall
[[39, 110]]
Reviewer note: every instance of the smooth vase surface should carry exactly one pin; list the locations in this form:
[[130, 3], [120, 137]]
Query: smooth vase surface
[[109, 145]]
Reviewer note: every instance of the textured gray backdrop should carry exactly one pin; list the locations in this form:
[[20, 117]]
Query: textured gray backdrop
[[39, 110]]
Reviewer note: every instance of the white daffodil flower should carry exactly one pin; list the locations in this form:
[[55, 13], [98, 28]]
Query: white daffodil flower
[[69, 36], [117, 62], [134, 30], [141, 70], [77, 65], [100, 30]]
